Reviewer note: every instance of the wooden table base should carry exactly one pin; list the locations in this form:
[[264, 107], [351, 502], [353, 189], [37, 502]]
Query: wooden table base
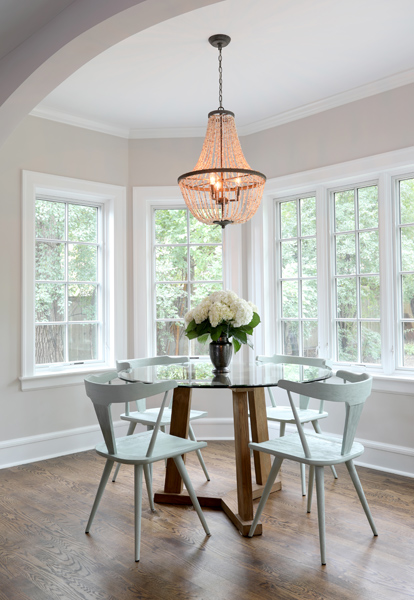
[[238, 504]]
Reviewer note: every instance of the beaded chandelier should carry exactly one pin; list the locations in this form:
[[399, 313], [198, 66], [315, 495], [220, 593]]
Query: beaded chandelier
[[222, 189]]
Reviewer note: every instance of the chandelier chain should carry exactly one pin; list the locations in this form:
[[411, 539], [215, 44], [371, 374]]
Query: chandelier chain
[[220, 69]]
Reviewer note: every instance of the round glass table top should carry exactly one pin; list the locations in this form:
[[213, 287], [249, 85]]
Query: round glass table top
[[199, 373]]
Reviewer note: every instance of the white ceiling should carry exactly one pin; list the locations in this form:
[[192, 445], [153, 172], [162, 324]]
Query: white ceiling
[[287, 58]]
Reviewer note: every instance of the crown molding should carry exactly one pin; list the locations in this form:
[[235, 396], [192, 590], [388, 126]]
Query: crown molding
[[359, 93], [59, 116]]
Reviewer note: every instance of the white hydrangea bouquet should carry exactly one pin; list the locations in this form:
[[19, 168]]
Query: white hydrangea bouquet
[[222, 314]]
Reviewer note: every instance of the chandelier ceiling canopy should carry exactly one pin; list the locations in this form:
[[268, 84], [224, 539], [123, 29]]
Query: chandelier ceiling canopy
[[222, 189]]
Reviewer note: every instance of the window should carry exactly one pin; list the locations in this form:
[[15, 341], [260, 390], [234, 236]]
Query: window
[[405, 262], [68, 282], [298, 276], [74, 309], [356, 275], [187, 266]]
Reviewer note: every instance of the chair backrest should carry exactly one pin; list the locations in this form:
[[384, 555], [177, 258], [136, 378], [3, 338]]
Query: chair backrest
[[103, 393], [135, 363], [354, 390], [278, 359]]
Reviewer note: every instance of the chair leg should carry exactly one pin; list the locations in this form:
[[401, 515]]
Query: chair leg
[[303, 478], [138, 508], [104, 480], [131, 430], [282, 428], [265, 495], [320, 496], [357, 484], [179, 463], [318, 429], [148, 482], [310, 488], [192, 437]]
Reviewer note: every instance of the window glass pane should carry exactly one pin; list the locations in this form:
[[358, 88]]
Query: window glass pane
[[369, 252], [199, 291], [310, 339], [407, 248], [171, 339], [368, 207], [82, 303], [288, 219], [347, 336], [49, 344], [346, 298], [345, 254], [200, 233], [344, 211], [290, 306], [171, 226], [171, 263], [197, 349], [289, 259], [309, 299], [206, 263], [408, 340], [370, 297], [171, 300], [407, 201], [308, 216], [49, 302], [83, 262], [407, 296], [82, 223], [309, 257], [82, 341], [50, 261], [371, 343], [291, 338], [50, 220]]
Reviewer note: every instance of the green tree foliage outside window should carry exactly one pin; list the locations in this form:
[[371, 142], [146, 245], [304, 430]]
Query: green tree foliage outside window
[[357, 282], [406, 270], [298, 272], [66, 282], [187, 267]]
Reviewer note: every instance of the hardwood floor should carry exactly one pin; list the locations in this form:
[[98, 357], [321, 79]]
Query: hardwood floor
[[45, 554]]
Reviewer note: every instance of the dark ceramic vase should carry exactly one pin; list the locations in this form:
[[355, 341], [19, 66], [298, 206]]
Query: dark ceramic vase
[[221, 353]]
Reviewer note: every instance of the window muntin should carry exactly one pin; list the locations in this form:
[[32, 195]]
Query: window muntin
[[405, 261], [67, 282], [356, 275], [298, 276], [187, 267]]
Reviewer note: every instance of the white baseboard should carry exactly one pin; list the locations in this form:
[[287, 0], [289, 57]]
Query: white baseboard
[[380, 456]]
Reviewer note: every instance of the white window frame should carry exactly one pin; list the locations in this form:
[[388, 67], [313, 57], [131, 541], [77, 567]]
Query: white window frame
[[386, 169], [112, 201], [145, 200]]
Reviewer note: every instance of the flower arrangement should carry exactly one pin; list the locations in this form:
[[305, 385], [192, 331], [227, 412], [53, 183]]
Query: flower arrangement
[[222, 314]]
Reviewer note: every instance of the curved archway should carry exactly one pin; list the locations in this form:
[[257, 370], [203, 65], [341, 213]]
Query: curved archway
[[79, 33]]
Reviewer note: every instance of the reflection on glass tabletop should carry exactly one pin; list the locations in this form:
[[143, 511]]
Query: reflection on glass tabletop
[[199, 373]]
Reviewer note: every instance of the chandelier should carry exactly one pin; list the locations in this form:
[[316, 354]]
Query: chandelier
[[222, 189]]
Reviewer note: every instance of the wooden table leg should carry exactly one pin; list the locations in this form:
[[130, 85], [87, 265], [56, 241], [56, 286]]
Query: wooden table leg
[[260, 432], [243, 466], [180, 419]]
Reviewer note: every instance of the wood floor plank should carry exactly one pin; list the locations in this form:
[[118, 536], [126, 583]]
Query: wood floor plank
[[45, 554]]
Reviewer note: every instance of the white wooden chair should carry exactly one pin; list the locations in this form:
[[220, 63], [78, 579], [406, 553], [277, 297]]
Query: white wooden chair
[[284, 414], [140, 450], [148, 416], [318, 450]]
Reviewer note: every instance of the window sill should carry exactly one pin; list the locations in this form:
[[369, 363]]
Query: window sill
[[395, 383], [53, 379]]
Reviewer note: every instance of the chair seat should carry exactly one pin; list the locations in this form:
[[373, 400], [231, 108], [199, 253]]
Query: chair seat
[[324, 450], [150, 416], [284, 413], [132, 449]]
